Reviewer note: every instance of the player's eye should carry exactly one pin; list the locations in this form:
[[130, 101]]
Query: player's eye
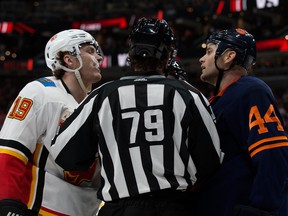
[[91, 50]]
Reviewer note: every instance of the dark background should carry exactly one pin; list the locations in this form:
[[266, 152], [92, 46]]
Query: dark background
[[32, 23]]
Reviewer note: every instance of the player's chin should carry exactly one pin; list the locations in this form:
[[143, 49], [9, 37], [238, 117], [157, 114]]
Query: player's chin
[[202, 76], [95, 76], [98, 77]]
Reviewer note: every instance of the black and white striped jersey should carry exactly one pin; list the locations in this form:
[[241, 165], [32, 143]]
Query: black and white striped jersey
[[151, 133]]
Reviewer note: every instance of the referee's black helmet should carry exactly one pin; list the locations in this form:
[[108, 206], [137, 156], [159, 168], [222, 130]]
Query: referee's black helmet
[[151, 38], [238, 40]]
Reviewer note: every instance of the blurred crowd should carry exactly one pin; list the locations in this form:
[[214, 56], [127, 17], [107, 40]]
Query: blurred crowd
[[281, 95], [192, 22], [9, 89]]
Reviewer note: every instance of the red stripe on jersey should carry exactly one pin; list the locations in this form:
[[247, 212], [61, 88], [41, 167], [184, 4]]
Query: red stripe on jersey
[[14, 154], [14, 178]]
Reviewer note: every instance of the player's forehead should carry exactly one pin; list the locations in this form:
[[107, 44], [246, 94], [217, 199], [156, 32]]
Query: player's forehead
[[87, 48], [211, 46], [87, 45]]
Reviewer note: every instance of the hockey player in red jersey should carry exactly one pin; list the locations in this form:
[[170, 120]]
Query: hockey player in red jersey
[[30, 181], [253, 177]]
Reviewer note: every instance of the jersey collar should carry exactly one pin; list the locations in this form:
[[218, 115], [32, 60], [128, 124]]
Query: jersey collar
[[65, 86], [137, 75], [211, 99]]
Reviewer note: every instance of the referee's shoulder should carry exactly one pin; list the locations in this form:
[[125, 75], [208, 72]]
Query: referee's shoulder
[[184, 85], [103, 87]]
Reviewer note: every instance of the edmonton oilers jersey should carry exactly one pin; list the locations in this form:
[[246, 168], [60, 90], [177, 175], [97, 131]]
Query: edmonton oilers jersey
[[255, 166]]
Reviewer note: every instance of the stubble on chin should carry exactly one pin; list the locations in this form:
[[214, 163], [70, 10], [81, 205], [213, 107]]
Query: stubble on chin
[[203, 77], [207, 78]]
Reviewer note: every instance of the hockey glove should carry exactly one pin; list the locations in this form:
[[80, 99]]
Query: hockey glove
[[176, 71], [241, 210], [12, 207]]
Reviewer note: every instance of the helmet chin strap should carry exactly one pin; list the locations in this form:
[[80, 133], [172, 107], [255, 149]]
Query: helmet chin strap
[[79, 78], [219, 79], [80, 81], [77, 75], [220, 76]]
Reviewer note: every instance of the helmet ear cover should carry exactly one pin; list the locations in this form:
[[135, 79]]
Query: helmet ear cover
[[151, 38], [238, 40]]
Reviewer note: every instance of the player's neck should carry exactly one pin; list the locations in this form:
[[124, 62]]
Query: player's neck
[[231, 76], [74, 87], [78, 93]]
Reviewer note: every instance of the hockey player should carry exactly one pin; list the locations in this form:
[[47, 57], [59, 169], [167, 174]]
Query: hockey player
[[31, 183], [157, 138], [253, 178]]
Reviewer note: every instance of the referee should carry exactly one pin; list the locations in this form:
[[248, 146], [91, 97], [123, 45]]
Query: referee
[[155, 136]]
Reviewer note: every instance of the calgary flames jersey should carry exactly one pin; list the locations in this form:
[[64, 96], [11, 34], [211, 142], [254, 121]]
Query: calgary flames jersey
[[28, 173]]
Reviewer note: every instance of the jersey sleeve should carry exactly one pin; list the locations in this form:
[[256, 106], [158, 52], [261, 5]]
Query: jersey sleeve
[[74, 147], [18, 138], [267, 148]]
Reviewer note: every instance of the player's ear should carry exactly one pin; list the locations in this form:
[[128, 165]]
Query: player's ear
[[229, 55], [68, 59]]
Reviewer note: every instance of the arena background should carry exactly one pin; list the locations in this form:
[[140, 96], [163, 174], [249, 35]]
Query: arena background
[[26, 26]]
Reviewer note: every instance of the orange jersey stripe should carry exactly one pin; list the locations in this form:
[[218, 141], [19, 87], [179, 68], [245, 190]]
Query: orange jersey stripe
[[267, 140], [34, 182], [37, 153], [33, 187], [47, 212], [268, 147]]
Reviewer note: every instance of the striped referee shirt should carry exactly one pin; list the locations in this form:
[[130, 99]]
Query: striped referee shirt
[[151, 133]]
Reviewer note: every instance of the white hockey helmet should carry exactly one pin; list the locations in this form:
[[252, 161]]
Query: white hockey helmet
[[69, 40]]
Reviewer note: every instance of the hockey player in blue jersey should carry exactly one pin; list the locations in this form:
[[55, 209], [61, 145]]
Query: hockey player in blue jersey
[[253, 178]]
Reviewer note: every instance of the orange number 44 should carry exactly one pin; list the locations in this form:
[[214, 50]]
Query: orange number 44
[[20, 108], [255, 119]]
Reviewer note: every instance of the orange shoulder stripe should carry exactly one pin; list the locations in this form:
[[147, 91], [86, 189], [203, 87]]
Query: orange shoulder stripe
[[276, 145], [277, 138]]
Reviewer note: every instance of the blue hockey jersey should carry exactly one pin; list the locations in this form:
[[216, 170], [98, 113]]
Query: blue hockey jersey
[[255, 166]]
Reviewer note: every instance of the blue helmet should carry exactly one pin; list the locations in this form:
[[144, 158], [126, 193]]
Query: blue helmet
[[238, 40], [151, 38]]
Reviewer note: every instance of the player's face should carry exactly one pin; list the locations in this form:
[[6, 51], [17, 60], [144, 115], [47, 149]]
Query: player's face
[[90, 70], [209, 70]]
